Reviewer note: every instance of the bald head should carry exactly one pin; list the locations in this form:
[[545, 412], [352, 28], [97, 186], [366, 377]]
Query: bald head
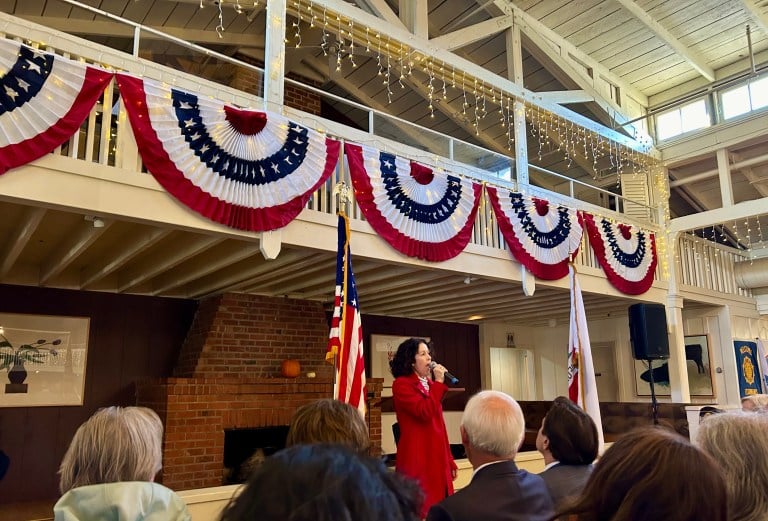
[[493, 423]]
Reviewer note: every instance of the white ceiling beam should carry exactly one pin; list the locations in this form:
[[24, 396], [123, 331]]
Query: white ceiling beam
[[128, 249], [71, 249], [103, 28], [693, 58], [757, 14], [568, 96], [473, 33], [450, 59], [140, 274], [737, 212], [381, 9], [415, 16], [20, 237], [569, 51], [757, 182]]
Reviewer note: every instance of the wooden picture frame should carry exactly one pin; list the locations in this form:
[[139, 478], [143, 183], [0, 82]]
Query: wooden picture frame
[[699, 366], [49, 354]]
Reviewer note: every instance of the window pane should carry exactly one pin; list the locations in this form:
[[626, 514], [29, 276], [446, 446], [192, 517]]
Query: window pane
[[735, 102], [668, 124], [694, 115], [759, 91]]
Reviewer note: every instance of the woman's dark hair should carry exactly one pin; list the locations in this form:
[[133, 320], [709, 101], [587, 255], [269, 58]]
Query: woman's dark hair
[[650, 474], [402, 363], [572, 433], [324, 483]]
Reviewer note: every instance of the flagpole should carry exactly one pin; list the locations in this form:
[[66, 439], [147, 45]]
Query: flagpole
[[341, 190]]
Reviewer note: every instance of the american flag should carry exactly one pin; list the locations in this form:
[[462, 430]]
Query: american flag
[[582, 386], [345, 345]]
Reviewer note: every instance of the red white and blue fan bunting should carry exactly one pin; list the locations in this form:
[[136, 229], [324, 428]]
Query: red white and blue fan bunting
[[540, 235], [421, 213], [246, 169], [627, 254], [44, 99]]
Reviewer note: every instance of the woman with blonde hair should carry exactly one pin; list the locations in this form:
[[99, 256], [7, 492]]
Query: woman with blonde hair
[[738, 442], [108, 470]]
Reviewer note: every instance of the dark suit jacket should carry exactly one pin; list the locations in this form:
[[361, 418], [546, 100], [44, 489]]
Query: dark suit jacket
[[564, 481], [498, 492]]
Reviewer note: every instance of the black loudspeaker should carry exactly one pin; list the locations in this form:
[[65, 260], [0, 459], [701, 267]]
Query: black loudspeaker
[[648, 331]]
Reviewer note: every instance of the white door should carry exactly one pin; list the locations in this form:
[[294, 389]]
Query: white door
[[512, 372], [604, 359]]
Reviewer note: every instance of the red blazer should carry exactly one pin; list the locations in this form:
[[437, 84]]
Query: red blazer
[[423, 451]]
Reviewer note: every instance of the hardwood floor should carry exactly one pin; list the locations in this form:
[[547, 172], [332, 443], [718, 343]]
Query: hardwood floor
[[31, 511]]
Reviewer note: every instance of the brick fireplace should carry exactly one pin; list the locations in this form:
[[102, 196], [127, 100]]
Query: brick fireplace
[[228, 377]]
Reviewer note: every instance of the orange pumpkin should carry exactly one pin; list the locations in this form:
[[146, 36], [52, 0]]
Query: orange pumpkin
[[290, 368]]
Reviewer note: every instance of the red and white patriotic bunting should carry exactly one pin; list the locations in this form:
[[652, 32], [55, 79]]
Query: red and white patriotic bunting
[[246, 169], [44, 99], [582, 385], [627, 254], [542, 236], [345, 342], [419, 212]]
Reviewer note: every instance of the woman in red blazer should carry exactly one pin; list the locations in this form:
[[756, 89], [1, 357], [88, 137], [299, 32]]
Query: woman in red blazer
[[423, 452]]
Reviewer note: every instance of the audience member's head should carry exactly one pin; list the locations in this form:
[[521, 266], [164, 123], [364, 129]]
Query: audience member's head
[[328, 421], [324, 483], [115, 444], [754, 403], [651, 474], [567, 434], [492, 427], [738, 442], [405, 356]]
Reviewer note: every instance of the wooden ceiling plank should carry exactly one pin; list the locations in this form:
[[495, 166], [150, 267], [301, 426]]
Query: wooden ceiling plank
[[176, 278], [696, 61], [264, 278], [20, 238], [191, 247], [758, 15], [381, 9], [71, 249], [128, 249], [473, 33], [215, 283]]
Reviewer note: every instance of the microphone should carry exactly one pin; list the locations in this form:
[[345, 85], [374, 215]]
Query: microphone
[[448, 376]]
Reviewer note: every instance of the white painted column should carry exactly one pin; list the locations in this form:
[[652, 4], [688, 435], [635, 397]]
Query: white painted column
[[678, 370], [274, 55], [515, 72], [724, 171]]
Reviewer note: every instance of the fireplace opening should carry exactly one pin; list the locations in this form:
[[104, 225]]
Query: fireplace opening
[[246, 449]]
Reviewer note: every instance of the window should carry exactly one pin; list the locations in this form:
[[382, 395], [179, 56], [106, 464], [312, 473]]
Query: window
[[745, 99], [682, 119]]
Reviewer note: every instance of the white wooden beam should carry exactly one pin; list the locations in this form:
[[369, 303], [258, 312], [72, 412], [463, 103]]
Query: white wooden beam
[[569, 51], [128, 249], [414, 15], [693, 58], [514, 47], [473, 33], [141, 274], [426, 48], [757, 13], [71, 249], [567, 96], [84, 27], [21, 236], [737, 212], [381, 9], [274, 55], [760, 184], [724, 172]]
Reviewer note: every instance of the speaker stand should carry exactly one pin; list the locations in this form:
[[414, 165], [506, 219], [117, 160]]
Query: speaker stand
[[654, 403]]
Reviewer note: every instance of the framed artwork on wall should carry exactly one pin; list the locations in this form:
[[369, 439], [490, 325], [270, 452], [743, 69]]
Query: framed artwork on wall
[[698, 360], [42, 360]]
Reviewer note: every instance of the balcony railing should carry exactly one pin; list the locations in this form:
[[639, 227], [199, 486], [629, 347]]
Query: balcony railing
[[105, 137], [706, 265]]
